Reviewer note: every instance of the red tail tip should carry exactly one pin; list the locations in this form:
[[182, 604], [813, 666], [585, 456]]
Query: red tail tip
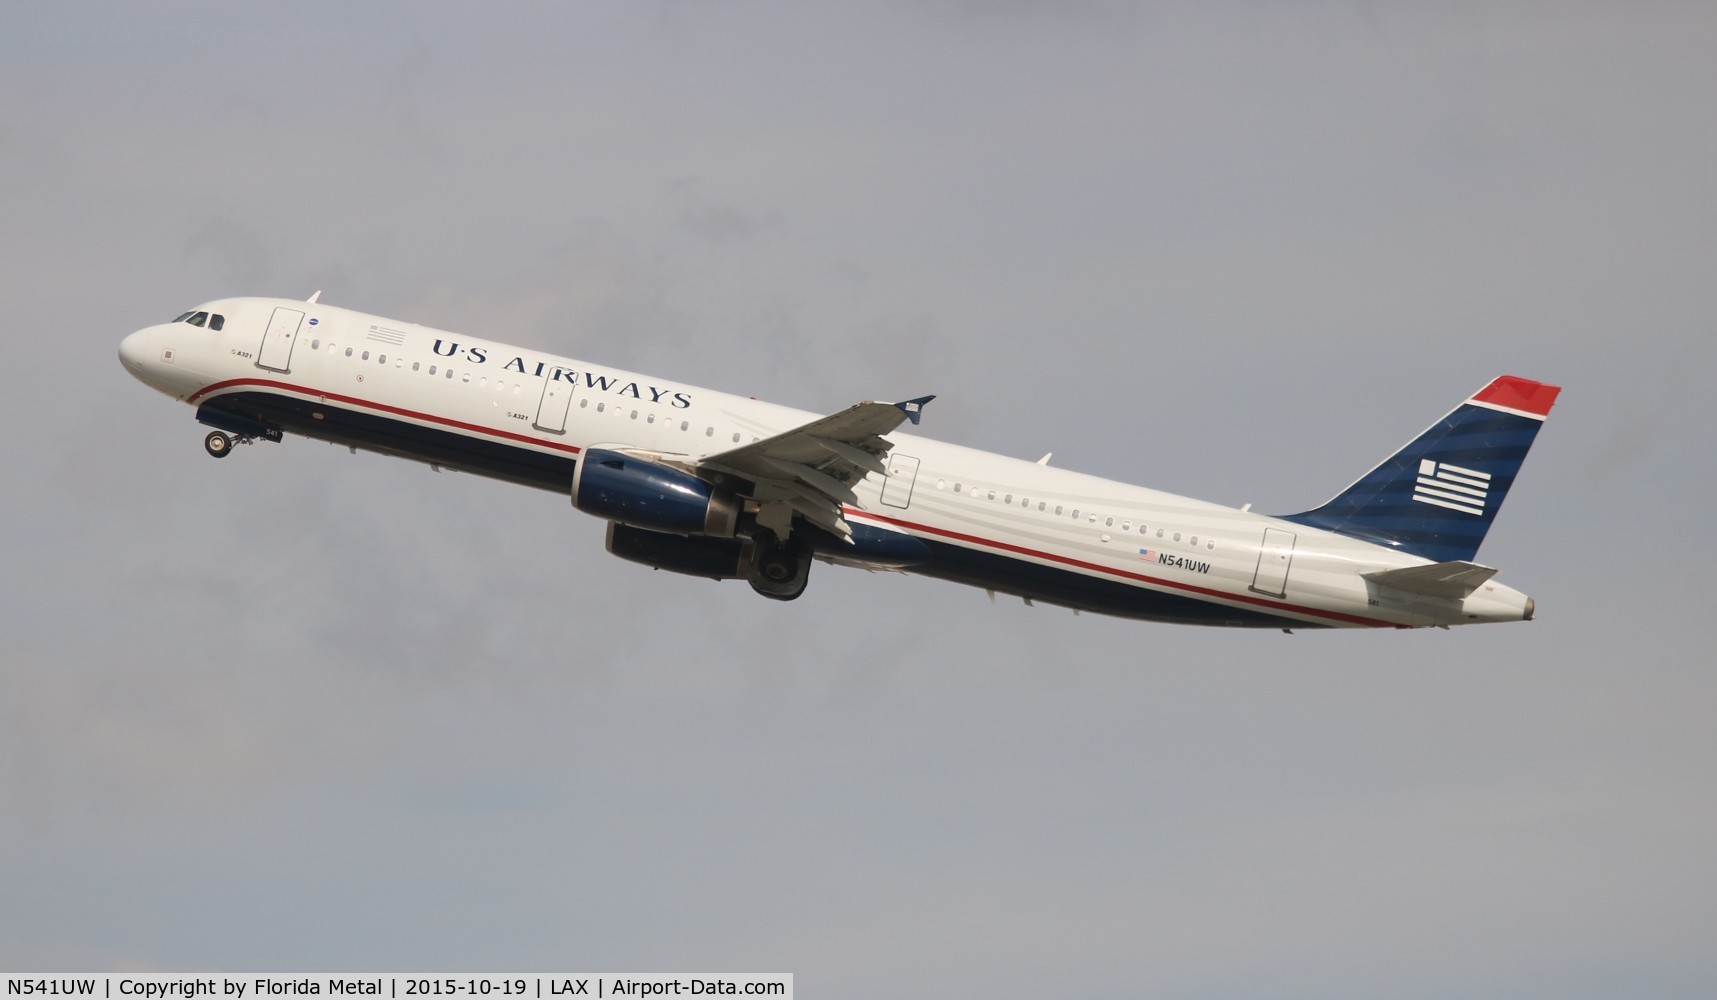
[[1520, 394]]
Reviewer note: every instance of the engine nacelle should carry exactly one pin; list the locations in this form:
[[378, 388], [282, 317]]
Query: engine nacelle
[[693, 555], [618, 487]]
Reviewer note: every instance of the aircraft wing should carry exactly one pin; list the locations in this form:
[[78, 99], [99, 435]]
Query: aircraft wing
[[811, 470]]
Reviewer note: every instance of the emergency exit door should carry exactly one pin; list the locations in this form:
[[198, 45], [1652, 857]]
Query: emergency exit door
[[551, 409], [902, 474]]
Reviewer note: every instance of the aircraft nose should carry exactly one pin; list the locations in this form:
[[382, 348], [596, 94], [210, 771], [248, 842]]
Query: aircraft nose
[[132, 351]]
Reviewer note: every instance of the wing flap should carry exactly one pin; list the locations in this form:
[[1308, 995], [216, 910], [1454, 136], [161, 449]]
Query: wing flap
[[810, 471]]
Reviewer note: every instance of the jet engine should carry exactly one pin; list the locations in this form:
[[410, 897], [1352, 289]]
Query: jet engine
[[693, 555], [644, 494]]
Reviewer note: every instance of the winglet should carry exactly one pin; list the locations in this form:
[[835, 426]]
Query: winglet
[[314, 296], [914, 408]]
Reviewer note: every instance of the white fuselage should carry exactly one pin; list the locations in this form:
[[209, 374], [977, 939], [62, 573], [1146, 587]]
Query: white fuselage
[[1009, 525]]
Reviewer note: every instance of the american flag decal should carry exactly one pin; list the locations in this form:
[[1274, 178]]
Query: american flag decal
[[1451, 486]]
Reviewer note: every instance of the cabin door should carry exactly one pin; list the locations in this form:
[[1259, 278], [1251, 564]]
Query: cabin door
[[551, 409], [902, 474], [1273, 559], [276, 351]]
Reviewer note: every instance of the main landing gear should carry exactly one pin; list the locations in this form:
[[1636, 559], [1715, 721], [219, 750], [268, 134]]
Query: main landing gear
[[779, 567]]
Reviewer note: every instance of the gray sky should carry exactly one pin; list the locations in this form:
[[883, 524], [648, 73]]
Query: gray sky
[[302, 710]]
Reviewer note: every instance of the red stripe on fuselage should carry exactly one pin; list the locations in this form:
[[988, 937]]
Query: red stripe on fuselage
[[849, 511], [1124, 574], [381, 407]]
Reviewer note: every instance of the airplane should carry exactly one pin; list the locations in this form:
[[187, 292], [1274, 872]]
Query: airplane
[[708, 484]]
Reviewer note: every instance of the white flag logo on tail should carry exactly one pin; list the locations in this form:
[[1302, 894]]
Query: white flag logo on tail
[[1451, 486]]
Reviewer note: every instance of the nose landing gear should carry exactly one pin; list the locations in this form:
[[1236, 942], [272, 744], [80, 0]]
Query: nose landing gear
[[220, 444], [233, 428]]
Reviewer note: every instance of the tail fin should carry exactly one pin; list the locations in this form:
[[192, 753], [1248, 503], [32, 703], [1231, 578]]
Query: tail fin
[[1436, 497]]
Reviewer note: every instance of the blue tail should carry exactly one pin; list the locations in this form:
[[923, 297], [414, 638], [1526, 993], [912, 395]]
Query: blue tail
[[1437, 497]]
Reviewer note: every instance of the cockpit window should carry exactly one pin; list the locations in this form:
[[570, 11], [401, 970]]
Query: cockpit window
[[214, 320]]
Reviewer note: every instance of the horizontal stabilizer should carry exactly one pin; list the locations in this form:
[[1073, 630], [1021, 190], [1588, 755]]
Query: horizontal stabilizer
[[1445, 579]]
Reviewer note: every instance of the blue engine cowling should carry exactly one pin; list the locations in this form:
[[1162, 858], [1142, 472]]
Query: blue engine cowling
[[641, 493], [693, 555]]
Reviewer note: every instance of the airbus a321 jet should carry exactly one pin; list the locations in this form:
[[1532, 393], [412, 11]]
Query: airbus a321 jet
[[708, 484]]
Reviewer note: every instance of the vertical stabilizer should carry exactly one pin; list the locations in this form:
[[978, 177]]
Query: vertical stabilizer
[[1437, 497]]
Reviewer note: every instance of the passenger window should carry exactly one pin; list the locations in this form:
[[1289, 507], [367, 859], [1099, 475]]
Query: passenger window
[[348, 352], [650, 419], [600, 407], [1194, 541], [1108, 522], [1057, 510], [415, 366], [956, 487], [709, 432], [1040, 506], [1009, 499], [217, 321], [1177, 536], [1076, 513], [735, 437], [449, 372], [634, 414], [1126, 526], [1159, 532], [315, 345], [366, 355], [432, 369], [685, 425], [381, 359]]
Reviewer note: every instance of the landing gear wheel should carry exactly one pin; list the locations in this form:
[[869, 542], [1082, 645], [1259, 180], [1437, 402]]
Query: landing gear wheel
[[779, 569], [218, 444]]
